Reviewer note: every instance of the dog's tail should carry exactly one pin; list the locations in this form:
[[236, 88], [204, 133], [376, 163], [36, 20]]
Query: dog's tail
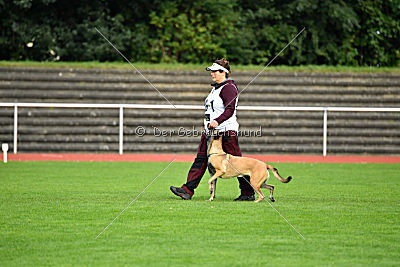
[[277, 175]]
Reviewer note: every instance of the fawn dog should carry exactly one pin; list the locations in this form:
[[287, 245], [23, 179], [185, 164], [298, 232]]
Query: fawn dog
[[225, 165]]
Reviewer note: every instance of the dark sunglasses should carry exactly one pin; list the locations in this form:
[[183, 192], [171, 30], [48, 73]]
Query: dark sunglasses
[[220, 71]]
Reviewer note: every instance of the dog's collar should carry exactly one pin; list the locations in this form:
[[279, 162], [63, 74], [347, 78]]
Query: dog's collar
[[216, 154]]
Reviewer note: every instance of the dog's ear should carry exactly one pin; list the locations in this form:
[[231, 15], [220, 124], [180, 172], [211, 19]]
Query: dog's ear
[[215, 134], [218, 136]]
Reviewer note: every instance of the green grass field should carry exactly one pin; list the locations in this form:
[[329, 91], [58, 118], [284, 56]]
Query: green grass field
[[51, 213]]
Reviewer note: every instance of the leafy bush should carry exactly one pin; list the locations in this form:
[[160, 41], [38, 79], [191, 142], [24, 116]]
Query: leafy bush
[[355, 33]]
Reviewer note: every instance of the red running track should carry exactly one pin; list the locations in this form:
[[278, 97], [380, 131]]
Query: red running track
[[190, 158]]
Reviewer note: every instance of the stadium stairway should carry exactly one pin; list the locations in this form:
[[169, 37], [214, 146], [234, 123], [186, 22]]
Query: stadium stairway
[[178, 131]]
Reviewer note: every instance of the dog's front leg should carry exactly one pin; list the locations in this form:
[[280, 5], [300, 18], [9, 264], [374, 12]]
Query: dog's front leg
[[212, 184], [213, 187]]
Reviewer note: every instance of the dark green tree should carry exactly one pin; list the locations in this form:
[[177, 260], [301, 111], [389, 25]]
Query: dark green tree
[[378, 38], [340, 32], [189, 31]]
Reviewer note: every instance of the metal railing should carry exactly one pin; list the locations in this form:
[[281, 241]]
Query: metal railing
[[121, 108]]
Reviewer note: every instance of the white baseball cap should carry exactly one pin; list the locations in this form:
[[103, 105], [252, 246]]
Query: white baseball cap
[[215, 67]]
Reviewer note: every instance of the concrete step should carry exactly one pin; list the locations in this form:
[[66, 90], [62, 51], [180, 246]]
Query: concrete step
[[196, 115], [261, 144], [187, 122], [85, 142], [240, 83], [292, 132], [201, 78], [315, 102], [32, 130], [366, 141], [70, 148], [377, 149], [266, 73], [70, 95], [110, 148], [389, 132], [338, 122], [7, 86], [188, 148]]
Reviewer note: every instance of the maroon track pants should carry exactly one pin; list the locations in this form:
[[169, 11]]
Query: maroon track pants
[[231, 146]]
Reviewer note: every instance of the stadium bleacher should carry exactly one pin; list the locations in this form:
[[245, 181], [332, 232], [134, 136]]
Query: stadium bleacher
[[83, 130]]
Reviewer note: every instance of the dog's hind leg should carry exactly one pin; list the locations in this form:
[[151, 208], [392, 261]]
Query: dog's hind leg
[[256, 180], [260, 194], [271, 190]]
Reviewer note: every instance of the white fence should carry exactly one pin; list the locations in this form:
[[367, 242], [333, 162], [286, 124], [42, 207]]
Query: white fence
[[121, 108]]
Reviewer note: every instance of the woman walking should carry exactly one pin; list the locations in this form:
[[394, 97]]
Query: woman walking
[[220, 114]]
